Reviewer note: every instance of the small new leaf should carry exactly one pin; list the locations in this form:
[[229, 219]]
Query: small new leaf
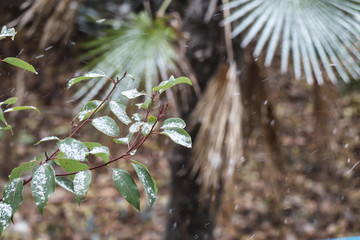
[[20, 64], [81, 183], [147, 181], [5, 32], [106, 125], [92, 74], [126, 186], [124, 140], [43, 185], [146, 128], [88, 109]]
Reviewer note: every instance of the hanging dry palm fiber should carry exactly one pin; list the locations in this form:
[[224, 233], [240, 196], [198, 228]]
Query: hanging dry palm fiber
[[54, 19], [218, 144]]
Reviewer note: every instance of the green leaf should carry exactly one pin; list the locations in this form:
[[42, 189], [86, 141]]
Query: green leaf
[[70, 165], [2, 118], [13, 194], [124, 140], [73, 149], [20, 170], [19, 108], [135, 127], [106, 125], [126, 186], [144, 105], [43, 185], [133, 93], [92, 74], [7, 127], [170, 83], [47, 139], [81, 183], [179, 136], [65, 183], [5, 32], [91, 145], [147, 181], [5, 216], [119, 110], [88, 109], [173, 123], [101, 152], [20, 64], [9, 101], [145, 130]]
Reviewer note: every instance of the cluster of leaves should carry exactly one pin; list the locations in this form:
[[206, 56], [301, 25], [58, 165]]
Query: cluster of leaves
[[73, 157], [5, 32]]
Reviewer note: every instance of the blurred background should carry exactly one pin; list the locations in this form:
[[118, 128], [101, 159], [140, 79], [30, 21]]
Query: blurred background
[[273, 113]]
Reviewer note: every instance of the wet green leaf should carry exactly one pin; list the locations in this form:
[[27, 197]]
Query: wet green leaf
[[88, 109], [179, 136], [13, 194], [145, 130], [20, 170], [9, 101], [43, 185], [5, 216], [92, 74], [47, 139], [147, 181], [133, 93], [124, 140], [81, 183], [101, 152], [126, 186], [164, 85], [20, 64], [70, 165], [73, 149], [173, 123], [65, 183], [119, 110], [106, 125], [19, 108]]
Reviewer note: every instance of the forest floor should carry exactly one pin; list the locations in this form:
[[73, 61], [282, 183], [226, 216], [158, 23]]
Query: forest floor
[[317, 198]]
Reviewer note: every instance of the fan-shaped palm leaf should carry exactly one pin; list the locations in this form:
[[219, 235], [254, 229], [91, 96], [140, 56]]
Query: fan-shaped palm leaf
[[325, 30], [142, 47]]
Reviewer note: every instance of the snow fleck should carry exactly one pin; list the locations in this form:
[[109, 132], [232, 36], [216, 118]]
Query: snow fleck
[[346, 145], [100, 20], [48, 48]]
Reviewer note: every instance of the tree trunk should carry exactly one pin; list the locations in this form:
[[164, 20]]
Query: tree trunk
[[189, 216]]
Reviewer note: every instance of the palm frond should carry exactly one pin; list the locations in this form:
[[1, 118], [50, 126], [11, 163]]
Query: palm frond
[[321, 34], [142, 47]]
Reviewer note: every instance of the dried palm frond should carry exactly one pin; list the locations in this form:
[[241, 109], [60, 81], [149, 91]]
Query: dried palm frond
[[141, 46], [58, 16], [325, 30], [218, 145]]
